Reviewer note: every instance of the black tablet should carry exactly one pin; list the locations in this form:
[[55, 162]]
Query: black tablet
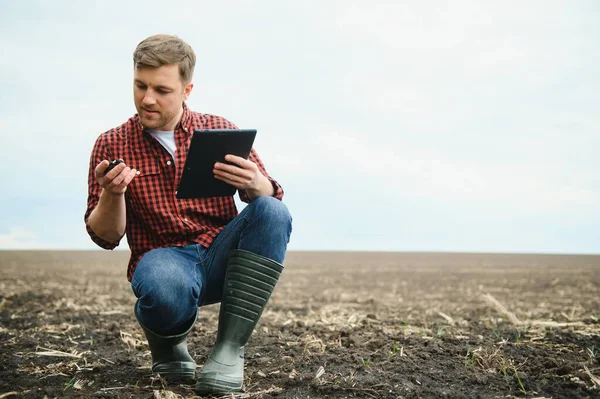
[[206, 148]]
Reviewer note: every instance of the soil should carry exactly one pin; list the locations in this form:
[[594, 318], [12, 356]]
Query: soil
[[339, 325]]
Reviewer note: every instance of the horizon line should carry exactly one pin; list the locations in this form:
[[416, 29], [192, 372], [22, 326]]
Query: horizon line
[[338, 250]]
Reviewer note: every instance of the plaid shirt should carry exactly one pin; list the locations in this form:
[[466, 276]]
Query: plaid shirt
[[155, 217]]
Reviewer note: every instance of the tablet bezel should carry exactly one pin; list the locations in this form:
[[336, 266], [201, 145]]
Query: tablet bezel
[[207, 147]]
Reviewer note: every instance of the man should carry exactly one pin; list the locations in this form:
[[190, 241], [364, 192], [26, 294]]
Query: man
[[185, 253]]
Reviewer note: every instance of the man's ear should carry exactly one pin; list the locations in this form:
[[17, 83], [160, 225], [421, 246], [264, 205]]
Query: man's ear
[[187, 90]]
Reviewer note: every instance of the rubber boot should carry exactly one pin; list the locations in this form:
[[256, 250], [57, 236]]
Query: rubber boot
[[249, 282], [170, 356]]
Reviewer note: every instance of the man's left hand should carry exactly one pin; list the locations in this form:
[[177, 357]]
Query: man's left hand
[[243, 175]]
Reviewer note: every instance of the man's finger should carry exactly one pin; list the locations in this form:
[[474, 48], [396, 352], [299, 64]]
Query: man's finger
[[119, 177], [121, 187], [241, 162], [99, 170], [234, 184], [235, 173], [231, 179], [116, 171], [232, 170], [130, 177]]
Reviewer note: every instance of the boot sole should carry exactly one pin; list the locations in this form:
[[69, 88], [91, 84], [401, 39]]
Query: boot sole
[[176, 371], [212, 384]]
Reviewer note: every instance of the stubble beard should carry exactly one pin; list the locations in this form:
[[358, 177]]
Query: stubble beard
[[156, 123]]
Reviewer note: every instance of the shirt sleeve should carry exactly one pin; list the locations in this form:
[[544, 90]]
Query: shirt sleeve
[[99, 153], [278, 190]]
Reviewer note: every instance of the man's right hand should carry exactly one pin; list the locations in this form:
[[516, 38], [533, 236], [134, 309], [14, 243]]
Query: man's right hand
[[116, 181]]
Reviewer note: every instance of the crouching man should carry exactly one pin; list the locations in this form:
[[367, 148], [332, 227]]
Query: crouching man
[[185, 253]]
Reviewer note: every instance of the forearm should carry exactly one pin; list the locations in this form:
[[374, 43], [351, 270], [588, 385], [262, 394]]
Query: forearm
[[108, 219]]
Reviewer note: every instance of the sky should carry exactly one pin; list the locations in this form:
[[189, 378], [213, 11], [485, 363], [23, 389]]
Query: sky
[[463, 126]]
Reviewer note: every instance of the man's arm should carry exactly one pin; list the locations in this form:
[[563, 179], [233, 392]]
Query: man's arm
[[108, 219], [105, 214]]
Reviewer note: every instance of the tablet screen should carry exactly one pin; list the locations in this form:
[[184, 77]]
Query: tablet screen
[[206, 148]]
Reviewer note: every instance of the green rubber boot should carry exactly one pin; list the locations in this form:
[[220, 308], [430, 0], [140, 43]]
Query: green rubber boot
[[170, 357], [249, 282]]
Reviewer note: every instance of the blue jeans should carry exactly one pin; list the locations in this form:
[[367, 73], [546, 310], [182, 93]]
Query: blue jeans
[[171, 283]]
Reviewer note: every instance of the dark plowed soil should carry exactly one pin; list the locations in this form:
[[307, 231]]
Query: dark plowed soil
[[355, 325]]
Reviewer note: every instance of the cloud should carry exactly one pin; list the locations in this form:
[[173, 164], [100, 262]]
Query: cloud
[[402, 169], [20, 238]]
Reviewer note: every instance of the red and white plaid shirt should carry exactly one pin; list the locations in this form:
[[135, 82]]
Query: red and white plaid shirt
[[155, 217]]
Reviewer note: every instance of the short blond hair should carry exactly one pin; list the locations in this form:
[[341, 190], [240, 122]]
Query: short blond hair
[[159, 50]]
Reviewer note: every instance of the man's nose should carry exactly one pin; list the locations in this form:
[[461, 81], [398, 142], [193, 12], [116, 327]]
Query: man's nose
[[149, 99]]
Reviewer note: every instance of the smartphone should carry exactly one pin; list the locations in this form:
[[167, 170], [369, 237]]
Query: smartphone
[[112, 165]]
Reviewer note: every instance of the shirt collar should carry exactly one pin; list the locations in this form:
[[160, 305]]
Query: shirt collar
[[186, 119]]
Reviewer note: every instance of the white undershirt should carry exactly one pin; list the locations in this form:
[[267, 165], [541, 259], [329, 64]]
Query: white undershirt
[[166, 138]]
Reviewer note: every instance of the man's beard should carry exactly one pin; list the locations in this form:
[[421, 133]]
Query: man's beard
[[156, 123]]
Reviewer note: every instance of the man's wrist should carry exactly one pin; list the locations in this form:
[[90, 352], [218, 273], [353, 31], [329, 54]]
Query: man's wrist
[[110, 194], [265, 189]]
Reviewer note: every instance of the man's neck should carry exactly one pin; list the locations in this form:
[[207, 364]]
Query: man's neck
[[171, 126]]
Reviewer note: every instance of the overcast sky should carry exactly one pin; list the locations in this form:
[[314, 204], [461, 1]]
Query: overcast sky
[[400, 125]]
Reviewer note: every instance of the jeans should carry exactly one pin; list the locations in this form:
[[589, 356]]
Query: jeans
[[171, 283]]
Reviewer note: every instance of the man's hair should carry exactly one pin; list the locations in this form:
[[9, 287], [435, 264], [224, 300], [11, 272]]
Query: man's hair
[[159, 50]]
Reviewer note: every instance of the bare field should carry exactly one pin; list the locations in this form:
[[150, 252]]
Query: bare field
[[363, 325]]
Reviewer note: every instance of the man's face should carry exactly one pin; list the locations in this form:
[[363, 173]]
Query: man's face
[[158, 94]]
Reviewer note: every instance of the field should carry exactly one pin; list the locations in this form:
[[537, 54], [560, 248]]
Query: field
[[363, 325]]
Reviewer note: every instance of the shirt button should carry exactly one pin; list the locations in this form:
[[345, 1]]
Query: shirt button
[[168, 162], [137, 172], [185, 219]]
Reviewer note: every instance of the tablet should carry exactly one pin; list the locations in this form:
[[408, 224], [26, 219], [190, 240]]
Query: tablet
[[206, 148]]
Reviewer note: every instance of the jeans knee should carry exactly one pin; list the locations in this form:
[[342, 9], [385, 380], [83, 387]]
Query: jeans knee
[[164, 310], [275, 211], [166, 302], [166, 298]]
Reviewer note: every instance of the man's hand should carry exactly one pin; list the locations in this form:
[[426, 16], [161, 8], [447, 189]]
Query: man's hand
[[243, 175], [116, 181]]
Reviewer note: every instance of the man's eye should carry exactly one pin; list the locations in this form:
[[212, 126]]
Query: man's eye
[[142, 87], [162, 91]]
